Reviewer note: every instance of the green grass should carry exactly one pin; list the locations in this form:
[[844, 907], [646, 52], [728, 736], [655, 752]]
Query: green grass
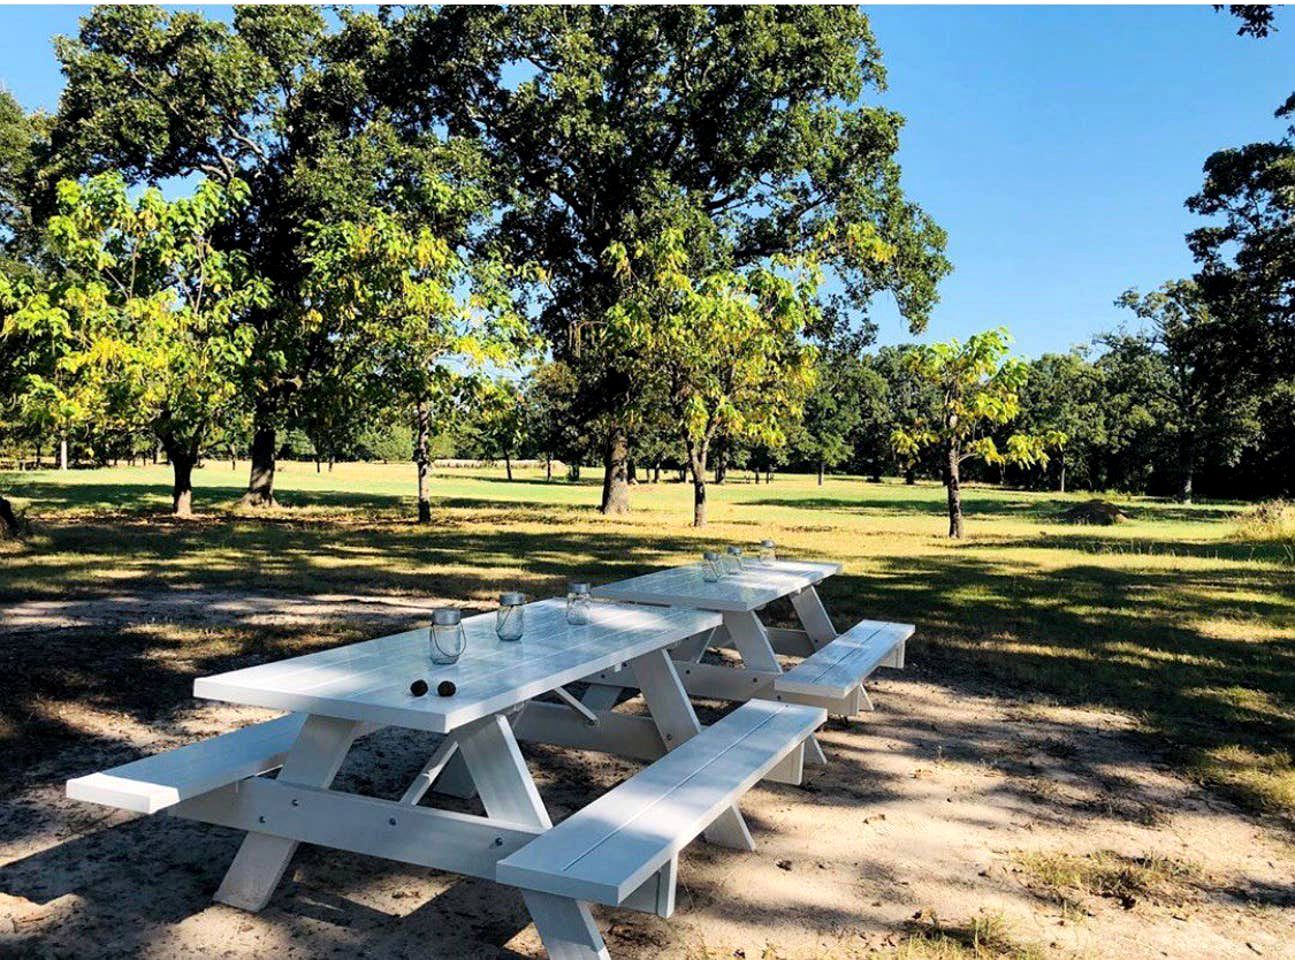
[[1173, 616]]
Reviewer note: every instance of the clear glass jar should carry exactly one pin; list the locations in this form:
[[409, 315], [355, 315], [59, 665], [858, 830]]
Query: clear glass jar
[[447, 636], [767, 552], [733, 560], [579, 604], [712, 566], [510, 619]]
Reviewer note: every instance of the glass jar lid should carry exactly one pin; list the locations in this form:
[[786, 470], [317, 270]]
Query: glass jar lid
[[512, 598], [710, 555], [735, 551], [767, 544], [446, 617], [578, 588]]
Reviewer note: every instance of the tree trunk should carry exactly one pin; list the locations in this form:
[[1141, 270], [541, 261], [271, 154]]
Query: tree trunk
[[768, 475], [508, 467], [233, 458], [62, 453], [319, 467], [656, 473], [952, 484], [1186, 468], [1061, 473], [697, 463], [548, 468], [421, 459], [616, 490], [330, 464], [910, 476], [821, 467], [631, 472], [573, 471], [182, 462], [7, 518], [157, 453], [260, 485]]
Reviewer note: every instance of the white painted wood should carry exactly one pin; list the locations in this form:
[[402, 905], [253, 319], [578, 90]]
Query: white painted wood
[[566, 927], [444, 752], [790, 769], [656, 894], [789, 643], [439, 839], [370, 681], [814, 755], [713, 681], [566, 697], [745, 591], [606, 851], [504, 784], [677, 723], [313, 761], [837, 669], [601, 696], [752, 642], [813, 617], [616, 733], [156, 782]]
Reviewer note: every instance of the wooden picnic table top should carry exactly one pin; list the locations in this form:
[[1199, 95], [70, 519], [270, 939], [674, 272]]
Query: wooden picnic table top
[[758, 584], [370, 681]]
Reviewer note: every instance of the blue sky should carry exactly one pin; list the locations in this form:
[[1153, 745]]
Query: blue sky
[[1055, 144]]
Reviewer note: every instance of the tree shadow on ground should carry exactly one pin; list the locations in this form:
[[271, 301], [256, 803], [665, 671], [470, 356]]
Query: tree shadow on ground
[[1002, 503], [1130, 640]]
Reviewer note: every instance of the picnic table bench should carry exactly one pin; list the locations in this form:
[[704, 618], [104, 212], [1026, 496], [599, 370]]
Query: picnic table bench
[[621, 850]]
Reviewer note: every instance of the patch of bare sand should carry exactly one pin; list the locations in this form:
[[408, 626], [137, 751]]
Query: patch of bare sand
[[927, 808]]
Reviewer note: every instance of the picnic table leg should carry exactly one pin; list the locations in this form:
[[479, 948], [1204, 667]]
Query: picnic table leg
[[490, 752], [813, 617], [566, 926], [748, 635], [313, 761], [675, 718]]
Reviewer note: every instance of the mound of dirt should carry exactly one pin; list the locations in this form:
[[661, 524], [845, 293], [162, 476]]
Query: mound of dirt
[[1097, 513]]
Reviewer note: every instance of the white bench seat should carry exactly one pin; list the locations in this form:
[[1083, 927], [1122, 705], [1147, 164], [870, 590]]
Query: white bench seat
[[163, 780], [612, 848], [835, 672]]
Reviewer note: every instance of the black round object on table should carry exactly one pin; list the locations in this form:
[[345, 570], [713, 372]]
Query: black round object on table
[[446, 688], [418, 687]]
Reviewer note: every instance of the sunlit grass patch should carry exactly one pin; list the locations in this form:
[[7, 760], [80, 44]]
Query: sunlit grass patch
[[986, 936], [1273, 520], [1064, 877], [1264, 779]]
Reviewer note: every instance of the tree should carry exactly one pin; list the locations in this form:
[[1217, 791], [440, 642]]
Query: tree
[[141, 317], [501, 419], [298, 111], [1206, 400], [723, 353], [550, 392], [753, 118], [404, 309], [833, 410], [979, 386], [1064, 396]]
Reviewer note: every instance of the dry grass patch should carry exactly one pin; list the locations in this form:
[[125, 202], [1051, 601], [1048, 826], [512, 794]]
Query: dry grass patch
[[1064, 878], [986, 936]]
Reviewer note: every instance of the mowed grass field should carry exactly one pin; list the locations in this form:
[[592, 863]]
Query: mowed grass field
[[1168, 617]]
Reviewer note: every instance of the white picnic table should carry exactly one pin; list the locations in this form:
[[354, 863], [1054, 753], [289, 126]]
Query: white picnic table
[[622, 850], [835, 664]]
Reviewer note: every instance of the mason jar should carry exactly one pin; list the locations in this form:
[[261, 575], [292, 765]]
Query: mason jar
[[712, 566], [767, 553], [447, 636], [579, 604], [733, 560], [511, 616]]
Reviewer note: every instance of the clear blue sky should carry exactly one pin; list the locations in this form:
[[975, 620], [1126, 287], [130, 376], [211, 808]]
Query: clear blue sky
[[1056, 145]]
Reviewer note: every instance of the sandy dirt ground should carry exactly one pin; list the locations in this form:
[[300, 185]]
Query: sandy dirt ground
[[928, 811]]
